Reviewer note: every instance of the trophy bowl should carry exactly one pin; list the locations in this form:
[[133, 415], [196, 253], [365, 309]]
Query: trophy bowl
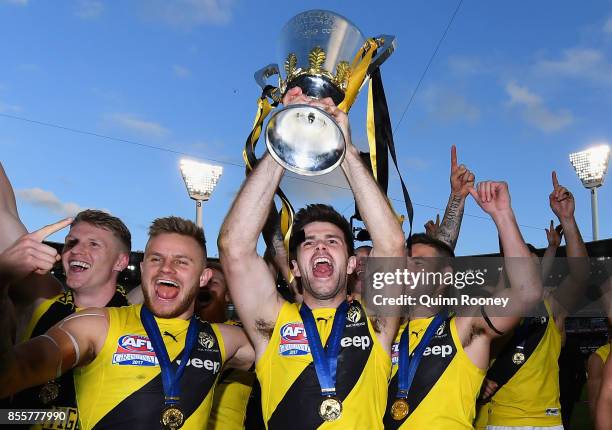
[[317, 49]]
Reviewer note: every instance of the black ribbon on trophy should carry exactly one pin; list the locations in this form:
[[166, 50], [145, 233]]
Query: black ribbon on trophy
[[326, 55]]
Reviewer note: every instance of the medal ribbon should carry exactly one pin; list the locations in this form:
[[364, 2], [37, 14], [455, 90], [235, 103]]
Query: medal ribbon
[[325, 362], [408, 364], [170, 376]]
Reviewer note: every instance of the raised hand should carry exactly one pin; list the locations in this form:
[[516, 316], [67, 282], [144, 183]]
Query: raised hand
[[431, 228], [554, 234], [561, 200], [29, 255], [461, 179], [295, 95], [492, 197]]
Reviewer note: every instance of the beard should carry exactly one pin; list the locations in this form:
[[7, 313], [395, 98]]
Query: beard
[[324, 295], [180, 308]]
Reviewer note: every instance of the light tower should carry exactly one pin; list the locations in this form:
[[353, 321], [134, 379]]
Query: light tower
[[200, 180]]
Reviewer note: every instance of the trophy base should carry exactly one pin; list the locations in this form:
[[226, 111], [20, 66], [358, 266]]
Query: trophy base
[[317, 87], [305, 140]]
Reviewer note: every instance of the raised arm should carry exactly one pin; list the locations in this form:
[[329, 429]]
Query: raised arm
[[12, 229], [461, 180], [573, 286], [553, 236], [378, 216], [523, 271], [252, 286]]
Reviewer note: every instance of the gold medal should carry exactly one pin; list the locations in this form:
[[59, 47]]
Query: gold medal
[[330, 409], [49, 392], [172, 418], [399, 409], [518, 358]]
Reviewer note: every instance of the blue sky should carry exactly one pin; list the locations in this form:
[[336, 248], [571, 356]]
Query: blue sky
[[516, 86]]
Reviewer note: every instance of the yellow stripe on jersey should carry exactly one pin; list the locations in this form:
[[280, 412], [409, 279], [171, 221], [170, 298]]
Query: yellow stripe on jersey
[[230, 401], [531, 396], [127, 364], [603, 352], [451, 402]]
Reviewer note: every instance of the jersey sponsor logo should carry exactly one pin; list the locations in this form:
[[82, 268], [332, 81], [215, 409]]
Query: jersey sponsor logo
[[293, 340], [441, 329], [552, 412], [198, 363], [134, 350], [362, 342], [441, 350], [395, 354]]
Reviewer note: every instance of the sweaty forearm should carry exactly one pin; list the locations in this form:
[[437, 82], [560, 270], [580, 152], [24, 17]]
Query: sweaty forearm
[[378, 216], [248, 214], [453, 215]]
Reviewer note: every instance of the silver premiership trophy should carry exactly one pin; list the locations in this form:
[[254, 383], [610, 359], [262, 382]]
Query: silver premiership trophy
[[323, 53]]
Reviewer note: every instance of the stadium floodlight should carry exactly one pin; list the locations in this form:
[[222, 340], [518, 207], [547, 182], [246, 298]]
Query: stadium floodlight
[[591, 166], [200, 180]]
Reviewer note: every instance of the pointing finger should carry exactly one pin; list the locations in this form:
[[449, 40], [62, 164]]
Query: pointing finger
[[453, 157], [48, 230], [555, 181]]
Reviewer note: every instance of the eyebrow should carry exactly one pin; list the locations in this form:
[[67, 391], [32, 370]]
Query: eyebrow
[[327, 236], [157, 254]]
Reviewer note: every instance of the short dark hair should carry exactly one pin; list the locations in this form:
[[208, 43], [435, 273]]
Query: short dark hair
[[184, 227], [321, 213], [108, 222], [421, 238]]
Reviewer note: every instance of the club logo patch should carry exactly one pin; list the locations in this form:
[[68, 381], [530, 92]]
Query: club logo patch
[[134, 350], [353, 314], [293, 340], [206, 340]]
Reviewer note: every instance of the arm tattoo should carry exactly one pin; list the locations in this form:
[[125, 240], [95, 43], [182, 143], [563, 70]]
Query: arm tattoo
[[448, 232]]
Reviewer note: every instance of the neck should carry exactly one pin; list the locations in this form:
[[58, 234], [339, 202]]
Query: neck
[[334, 302], [420, 311], [97, 297]]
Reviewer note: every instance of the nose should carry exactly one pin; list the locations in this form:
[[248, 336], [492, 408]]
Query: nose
[[321, 245], [167, 266]]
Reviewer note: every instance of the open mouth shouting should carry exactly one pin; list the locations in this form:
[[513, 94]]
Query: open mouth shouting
[[78, 266], [166, 289], [322, 267]]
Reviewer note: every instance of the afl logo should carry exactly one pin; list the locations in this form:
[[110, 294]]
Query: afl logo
[[293, 333], [206, 340], [353, 314], [135, 343]]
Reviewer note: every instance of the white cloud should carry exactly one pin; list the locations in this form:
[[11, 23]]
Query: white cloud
[[48, 200], [8, 108], [189, 13], [447, 105], [607, 28], [88, 9], [415, 163], [180, 71], [15, 2], [581, 63], [534, 111], [138, 125], [466, 65]]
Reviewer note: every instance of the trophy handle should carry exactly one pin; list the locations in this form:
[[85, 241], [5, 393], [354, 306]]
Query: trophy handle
[[386, 46], [262, 75]]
